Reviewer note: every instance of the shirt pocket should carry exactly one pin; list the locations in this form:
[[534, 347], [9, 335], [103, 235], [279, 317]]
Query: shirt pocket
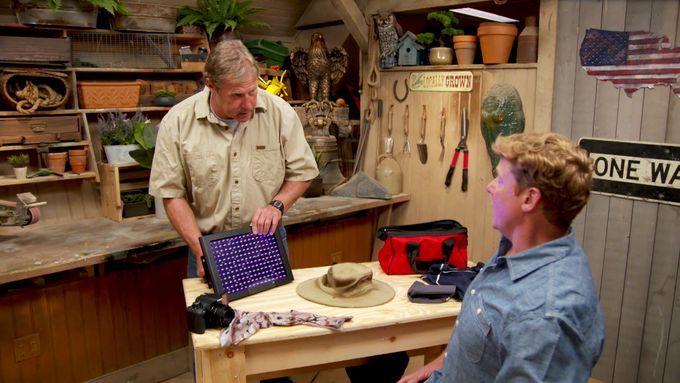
[[268, 166], [203, 169], [474, 336]]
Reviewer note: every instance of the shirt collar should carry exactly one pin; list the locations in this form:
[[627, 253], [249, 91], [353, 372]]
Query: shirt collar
[[527, 261]]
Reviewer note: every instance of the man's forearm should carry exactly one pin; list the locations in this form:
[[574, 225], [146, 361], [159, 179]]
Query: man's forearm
[[182, 219]]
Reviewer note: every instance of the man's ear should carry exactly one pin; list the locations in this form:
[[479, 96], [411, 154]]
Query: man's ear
[[531, 197], [209, 83]]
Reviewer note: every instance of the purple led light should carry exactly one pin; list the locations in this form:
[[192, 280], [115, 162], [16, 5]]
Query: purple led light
[[246, 261]]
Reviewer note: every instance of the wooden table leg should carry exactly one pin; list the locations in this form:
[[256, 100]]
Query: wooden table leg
[[221, 365]]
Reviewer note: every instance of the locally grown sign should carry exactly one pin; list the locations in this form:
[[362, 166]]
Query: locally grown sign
[[637, 170], [441, 81]]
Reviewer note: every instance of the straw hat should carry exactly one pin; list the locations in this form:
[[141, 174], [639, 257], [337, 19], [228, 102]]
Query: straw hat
[[346, 285]]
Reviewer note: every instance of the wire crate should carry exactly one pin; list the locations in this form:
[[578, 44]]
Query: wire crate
[[124, 50]]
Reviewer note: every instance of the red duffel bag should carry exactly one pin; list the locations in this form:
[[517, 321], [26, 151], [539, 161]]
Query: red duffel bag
[[411, 249]]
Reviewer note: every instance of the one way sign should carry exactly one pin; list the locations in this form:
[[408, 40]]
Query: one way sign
[[638, 170]]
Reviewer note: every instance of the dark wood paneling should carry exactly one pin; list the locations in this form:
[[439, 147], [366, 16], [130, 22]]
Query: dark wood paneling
[[91, 326], [324, 243]]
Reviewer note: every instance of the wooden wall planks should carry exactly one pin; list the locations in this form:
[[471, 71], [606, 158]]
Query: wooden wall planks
[[91, 326], [633, 246]]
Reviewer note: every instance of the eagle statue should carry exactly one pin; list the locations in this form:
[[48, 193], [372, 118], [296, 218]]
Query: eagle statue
[[318, 66]]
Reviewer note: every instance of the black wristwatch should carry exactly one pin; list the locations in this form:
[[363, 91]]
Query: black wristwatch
[[277, 204]]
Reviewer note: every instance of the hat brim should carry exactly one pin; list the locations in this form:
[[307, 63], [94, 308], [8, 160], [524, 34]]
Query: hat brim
[[381, 293]]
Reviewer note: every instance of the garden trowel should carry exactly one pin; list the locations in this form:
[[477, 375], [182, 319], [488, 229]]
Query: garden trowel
[[422, 146]]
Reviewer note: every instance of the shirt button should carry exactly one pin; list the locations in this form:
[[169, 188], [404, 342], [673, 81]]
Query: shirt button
[[235, 154], [472, 292], [236, 182], [236, 208], [479, 311]]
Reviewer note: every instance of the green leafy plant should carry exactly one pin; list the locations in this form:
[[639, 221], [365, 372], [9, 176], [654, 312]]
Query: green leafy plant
[[117, 129], [136, 196], [165, 93], [111, 6], [145, 136], [18, 160], [220, 15], [445, 21]]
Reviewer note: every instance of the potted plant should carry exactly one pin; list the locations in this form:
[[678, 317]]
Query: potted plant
[[136, 203], [118, 135], [444, 22], [20, 164], [220, 19], [145, 136], [77, 13], [164, 98]]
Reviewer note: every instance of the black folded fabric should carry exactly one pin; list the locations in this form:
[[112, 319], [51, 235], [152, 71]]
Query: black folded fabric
[[422, 293], [445, 275]]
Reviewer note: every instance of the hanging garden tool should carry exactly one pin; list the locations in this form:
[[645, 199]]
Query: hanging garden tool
[[462, 146], [422, 146], [407, 145], [442, 134], [389, 142]]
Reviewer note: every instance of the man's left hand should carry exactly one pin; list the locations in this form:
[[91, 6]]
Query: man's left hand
[[265, 220]]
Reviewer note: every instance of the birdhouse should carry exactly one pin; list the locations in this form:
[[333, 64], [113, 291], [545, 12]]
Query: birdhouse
[[409, 49]]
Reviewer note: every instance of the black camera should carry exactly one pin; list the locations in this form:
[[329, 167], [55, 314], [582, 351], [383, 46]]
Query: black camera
[[208, 311]]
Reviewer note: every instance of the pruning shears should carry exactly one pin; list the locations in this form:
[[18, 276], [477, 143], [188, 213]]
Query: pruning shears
[[462, 146]]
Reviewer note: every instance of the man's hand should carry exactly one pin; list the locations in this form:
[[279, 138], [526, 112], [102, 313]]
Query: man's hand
[[265, 220], [424, 372]]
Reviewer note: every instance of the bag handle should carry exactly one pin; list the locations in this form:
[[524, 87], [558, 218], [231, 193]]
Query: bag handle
[[412, 250], [444, 226]]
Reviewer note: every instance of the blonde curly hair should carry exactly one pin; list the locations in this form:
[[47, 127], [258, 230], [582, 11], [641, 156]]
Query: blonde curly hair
[[556, 166], [229, 60]]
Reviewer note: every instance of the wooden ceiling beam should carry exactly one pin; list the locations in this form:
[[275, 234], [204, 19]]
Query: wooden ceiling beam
[[354, 21]]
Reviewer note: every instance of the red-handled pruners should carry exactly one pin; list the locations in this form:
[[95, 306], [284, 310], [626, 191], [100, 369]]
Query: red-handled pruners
[[462, 146]]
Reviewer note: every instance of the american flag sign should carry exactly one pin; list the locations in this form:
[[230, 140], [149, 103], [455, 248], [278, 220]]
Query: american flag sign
[[631, 60]]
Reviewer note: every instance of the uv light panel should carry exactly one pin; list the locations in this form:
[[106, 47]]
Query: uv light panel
[[239, 263]]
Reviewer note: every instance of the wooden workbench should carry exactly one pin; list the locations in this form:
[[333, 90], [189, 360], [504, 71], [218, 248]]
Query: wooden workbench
[[40, 249], [398, 325]]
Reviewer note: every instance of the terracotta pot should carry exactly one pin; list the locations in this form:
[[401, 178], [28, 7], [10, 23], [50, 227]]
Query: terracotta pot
[[77, 158], [465, 47], [57, 161], [496, 40], [441, 56], [218, 37]]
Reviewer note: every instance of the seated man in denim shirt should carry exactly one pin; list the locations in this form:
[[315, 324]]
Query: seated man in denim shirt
[[532, 314]]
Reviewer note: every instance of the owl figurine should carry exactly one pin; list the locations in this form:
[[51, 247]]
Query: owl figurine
[[319, 67], [388, 38]]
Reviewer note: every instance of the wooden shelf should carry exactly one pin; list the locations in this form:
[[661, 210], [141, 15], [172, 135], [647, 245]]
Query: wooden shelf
[[10, 180], [131, 70], [418, 68], [44, 145]]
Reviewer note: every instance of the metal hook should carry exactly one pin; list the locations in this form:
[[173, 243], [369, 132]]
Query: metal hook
[[394, 90]]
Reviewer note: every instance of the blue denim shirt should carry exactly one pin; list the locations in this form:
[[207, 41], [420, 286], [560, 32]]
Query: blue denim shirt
[[530, 317]]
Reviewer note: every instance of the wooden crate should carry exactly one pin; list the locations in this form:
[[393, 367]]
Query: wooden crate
[[34, 50], [35, 130], [117, 178]]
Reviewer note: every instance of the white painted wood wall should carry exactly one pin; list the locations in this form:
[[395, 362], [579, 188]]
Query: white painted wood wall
[[633, 246]]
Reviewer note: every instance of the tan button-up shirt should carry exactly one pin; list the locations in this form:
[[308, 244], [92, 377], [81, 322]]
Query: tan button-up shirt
[[227, 173]]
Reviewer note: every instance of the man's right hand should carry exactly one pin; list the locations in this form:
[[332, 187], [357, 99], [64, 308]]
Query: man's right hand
[[423, 373]]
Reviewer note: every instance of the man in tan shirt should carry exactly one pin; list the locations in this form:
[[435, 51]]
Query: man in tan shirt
[[231, 155]]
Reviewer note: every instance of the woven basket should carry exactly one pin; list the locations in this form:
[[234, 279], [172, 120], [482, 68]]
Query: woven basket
[[13, 80], [97, 95]]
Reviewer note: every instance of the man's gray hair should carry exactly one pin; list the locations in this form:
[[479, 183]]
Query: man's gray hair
[[229, 60]]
